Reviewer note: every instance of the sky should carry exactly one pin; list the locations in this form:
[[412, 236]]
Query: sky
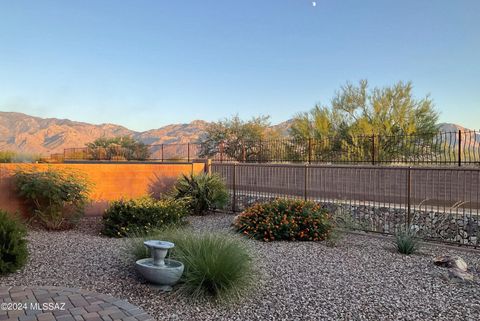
[[145, 64]]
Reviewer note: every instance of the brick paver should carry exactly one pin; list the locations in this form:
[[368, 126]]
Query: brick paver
[[64, 304]]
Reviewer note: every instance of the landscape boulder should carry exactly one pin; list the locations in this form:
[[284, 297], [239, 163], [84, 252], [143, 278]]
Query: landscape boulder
[[451, 262]]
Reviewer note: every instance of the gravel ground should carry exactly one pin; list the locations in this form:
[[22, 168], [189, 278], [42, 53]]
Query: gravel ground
[[360, 279]]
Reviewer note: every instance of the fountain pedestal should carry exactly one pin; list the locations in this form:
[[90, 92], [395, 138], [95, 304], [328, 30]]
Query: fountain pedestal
[[157, 269]]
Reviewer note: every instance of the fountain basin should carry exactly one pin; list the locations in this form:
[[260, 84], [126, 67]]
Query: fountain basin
[[167, 274]]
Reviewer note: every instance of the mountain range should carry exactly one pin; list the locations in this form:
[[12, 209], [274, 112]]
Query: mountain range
[[24, 133]]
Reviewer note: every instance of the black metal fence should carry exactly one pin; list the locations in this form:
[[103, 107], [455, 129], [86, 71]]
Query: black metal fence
[[440, 203], [445, 148], [155, 153]]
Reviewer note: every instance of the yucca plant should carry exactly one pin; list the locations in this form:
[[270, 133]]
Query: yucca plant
[[201, 192], [406, 242]]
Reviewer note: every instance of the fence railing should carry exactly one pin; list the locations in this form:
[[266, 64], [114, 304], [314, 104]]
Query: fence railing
[[444, 148], [156, 153], [441, 203]]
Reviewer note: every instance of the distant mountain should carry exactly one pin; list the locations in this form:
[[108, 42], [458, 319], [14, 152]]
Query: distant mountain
[[470, 138], [25, 133]]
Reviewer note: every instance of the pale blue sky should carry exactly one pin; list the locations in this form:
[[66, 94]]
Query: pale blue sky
[[144, 64]]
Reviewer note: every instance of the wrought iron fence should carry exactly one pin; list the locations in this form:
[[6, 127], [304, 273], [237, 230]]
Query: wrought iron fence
[[457, 148], [445, 148], [156, 153], [440, 203]]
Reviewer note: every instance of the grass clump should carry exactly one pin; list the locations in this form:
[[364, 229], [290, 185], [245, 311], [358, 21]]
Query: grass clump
[[142, 215], [218, 266], [13, 245], [201, 192], [406, 242]]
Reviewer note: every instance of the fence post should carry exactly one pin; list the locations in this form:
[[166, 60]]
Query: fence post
[[234, 188], [305, 181], [459, 147], [373, 149], [162, 153], [309, 150], [188, 152], [409, 192]]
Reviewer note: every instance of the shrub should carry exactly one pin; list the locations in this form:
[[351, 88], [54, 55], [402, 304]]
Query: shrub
[[7, 156], [14, 157], [406, 242], [58, 197], [285, 220], [217, 266], [201, 192], [139, 216], [13, 245]]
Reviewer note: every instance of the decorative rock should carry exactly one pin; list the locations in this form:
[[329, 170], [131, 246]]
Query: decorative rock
[[453, 262], [460, 275]]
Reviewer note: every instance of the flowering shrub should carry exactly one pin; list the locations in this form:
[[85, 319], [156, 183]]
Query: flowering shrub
[[285, 220], [140, 216]]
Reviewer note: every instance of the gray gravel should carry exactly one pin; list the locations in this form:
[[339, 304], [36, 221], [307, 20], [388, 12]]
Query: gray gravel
[[361, 279]]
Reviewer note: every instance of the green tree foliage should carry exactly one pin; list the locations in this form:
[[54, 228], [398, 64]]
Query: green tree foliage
[[357, 112], [237, 139], [117, 148]]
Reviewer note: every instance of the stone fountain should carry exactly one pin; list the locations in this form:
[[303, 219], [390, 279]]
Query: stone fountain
[[157, 269]]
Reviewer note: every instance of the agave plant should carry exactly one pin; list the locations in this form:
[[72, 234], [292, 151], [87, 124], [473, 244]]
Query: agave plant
[[201, 192]]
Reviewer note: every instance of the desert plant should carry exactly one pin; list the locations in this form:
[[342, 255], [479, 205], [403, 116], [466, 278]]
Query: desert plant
[[13, 245], [15, 157], [201, 192], [217, 266], [58, 197], [142, 215], [283, 219], [7, 156], [117, 148], [406, 241]]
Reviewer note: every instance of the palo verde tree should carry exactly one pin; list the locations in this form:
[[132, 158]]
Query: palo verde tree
[[398, 125], [237, 139], [122, 147]]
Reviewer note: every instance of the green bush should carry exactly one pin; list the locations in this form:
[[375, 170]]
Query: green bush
[[58, 197], [201, 192], [7, 156], [139, 216], [406, 242], [14, 157], [13, 245], [285, 220], [217, 266]]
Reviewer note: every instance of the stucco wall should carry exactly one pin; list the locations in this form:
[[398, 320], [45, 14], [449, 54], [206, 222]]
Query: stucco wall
[[111, 181]]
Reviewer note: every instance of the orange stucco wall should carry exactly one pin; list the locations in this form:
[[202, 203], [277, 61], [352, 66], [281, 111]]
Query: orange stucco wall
[[110, 181]]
